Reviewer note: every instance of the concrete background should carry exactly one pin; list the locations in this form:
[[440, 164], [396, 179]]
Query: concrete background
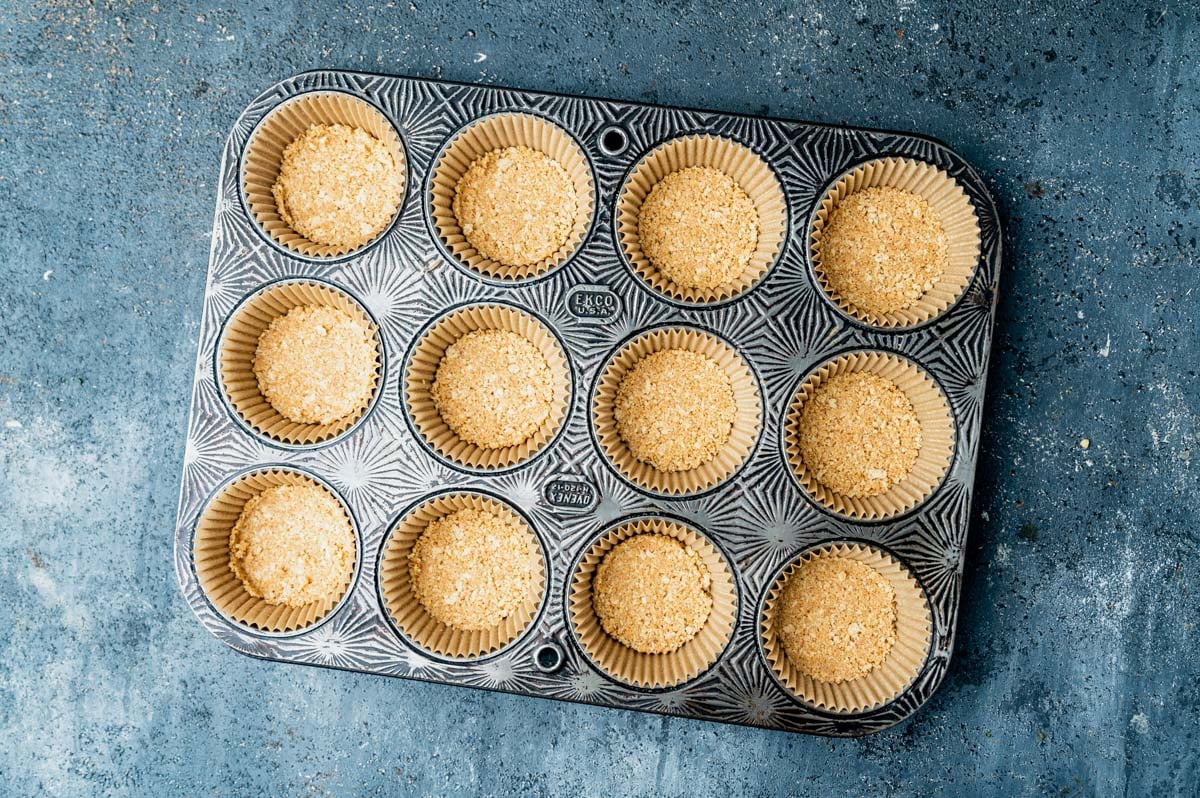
[[1076, 671]]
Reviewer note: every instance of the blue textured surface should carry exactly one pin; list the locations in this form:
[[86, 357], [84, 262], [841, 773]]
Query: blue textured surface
[[1076, 670]]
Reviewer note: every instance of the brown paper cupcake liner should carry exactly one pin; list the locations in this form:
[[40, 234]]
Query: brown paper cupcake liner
[[746, 424], [739, 162], [894, 675], [239, 342], [422, 368], [653, 670], [210, 552], [282, 126], [498, 132], [937, 436], [957, 214], [407, 612]]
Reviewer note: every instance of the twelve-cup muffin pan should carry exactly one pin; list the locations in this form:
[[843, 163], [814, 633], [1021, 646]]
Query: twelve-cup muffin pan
[[759, 519]]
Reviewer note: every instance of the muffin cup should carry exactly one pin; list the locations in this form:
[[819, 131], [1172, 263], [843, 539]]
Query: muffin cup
[[937, 436], [407, 612], [422, 368], [210, 552], [498, 132], [239, 342], [898, 670], [953, 207], [282, 126], [746, 423], [738, 162], [653, 670]]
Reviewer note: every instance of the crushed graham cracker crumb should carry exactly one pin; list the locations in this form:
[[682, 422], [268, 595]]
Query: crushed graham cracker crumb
[[698, 227], [338, 186], [652, 593], [883, 248], [675, 409], [516, 205], [836, 618], [292, 545], [493, 388], [316, 364], [858, 434], [472, 569]]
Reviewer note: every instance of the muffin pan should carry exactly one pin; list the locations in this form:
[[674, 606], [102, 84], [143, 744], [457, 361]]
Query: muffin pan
[[780, 330]]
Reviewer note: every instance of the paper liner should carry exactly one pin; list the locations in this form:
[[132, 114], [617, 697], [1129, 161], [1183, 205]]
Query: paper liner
[[937, 436], [958, 218], [411, 617], [210, 552], [239, 342], [422, 368], [653, 670], [746, 422], [746, 168], [493, 133], [903, 663], [282, 126]]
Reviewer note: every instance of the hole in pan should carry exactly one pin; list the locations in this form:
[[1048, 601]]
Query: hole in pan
[[613, 140], [548, 658]]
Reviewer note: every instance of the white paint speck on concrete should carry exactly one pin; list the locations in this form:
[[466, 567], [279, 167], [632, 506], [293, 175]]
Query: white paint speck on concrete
[[73, 614]]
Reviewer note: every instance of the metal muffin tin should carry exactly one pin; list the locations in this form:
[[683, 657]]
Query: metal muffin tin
[[760, 518]]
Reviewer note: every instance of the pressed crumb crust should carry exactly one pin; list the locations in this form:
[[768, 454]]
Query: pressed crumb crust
[[316, 364], [883, 248], [516, 205], [698, 227], [858, 434], [472, 569], [338, 186], [292, 545], [652, 593], [493, 388], [675, 409], [836, 618]]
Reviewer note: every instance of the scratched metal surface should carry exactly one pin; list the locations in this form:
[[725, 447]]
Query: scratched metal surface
[[760, 519]]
